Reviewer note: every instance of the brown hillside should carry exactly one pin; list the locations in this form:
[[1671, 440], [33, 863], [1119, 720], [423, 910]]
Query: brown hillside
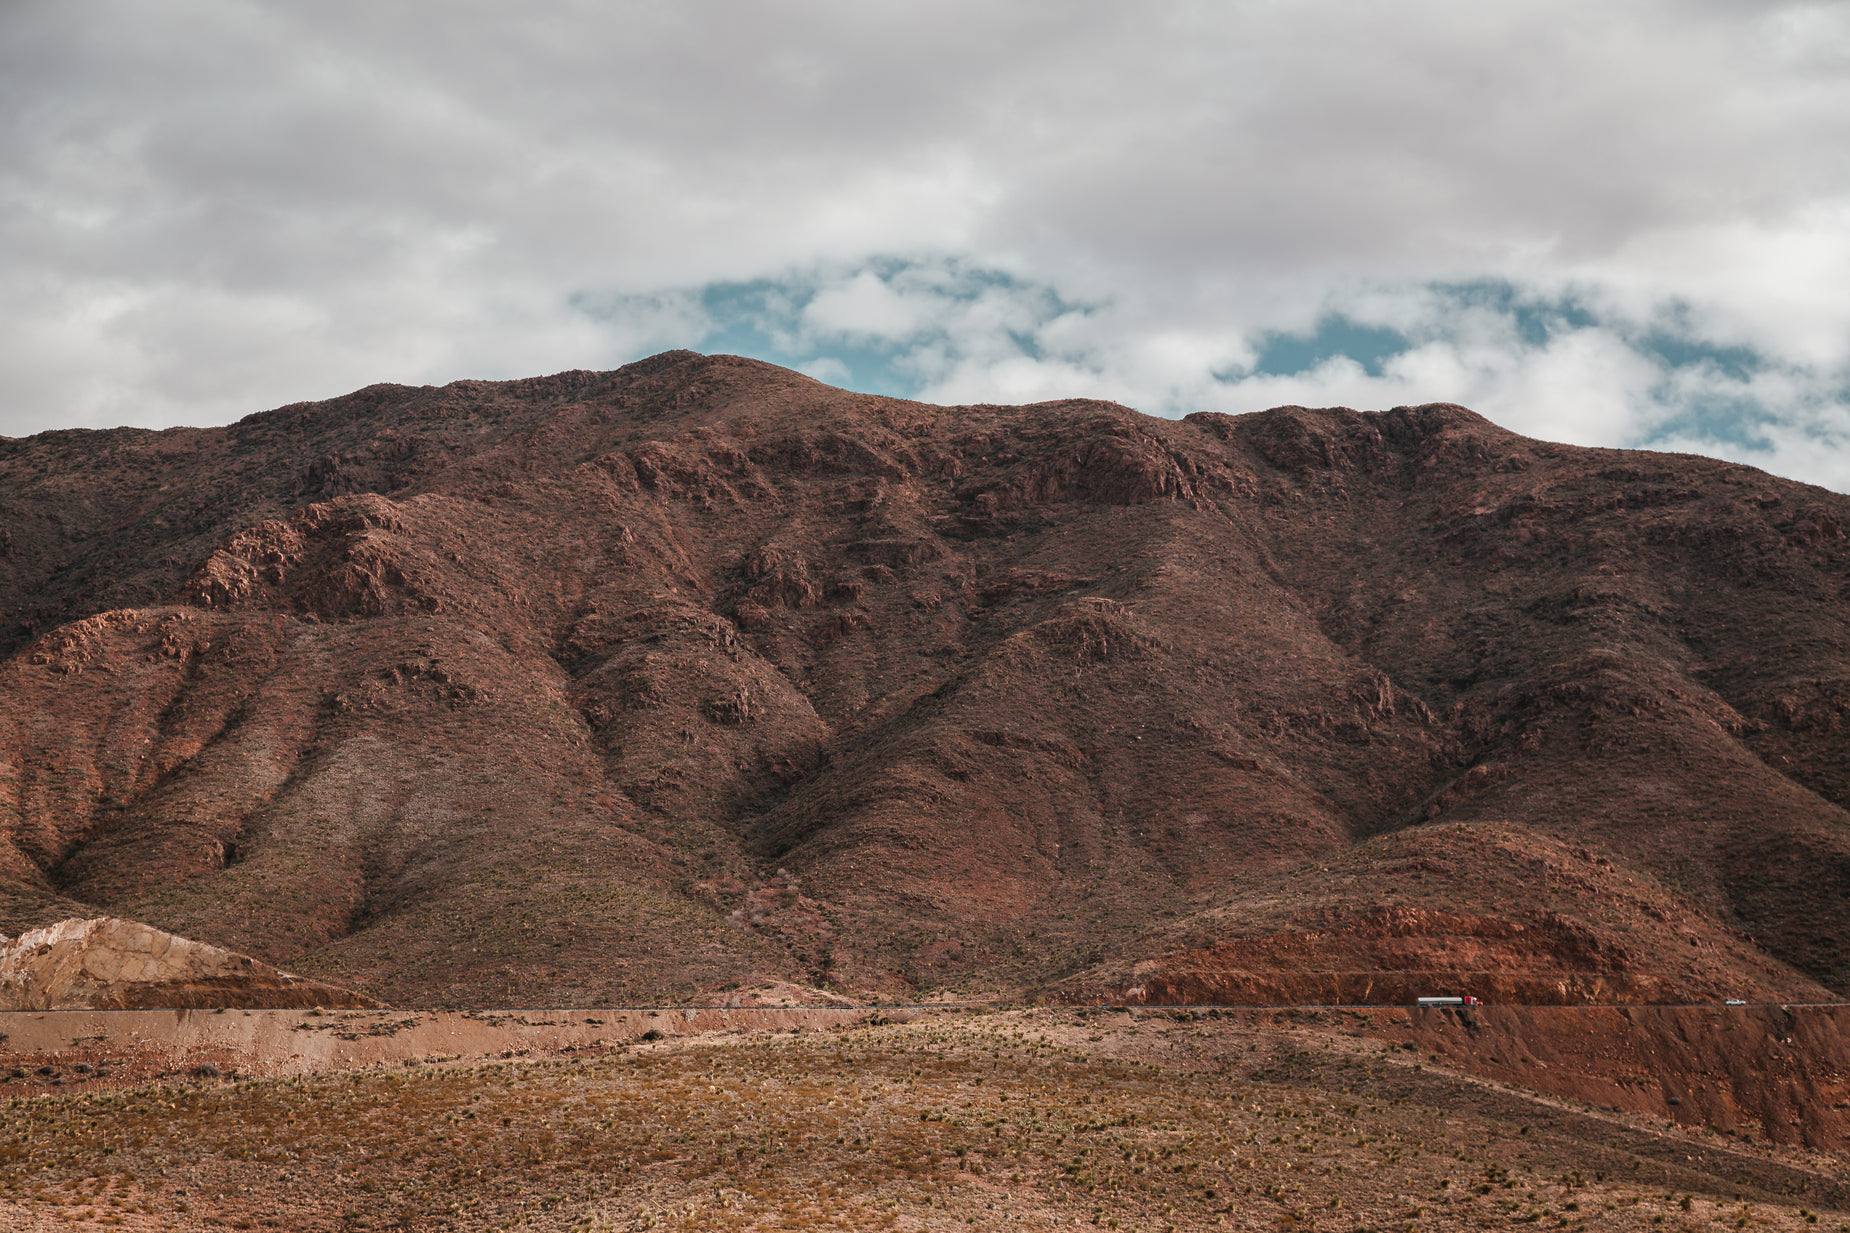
[[644, 684]]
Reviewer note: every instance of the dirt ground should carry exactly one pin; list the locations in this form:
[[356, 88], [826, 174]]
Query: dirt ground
[[807, 1118], [85, 1049]]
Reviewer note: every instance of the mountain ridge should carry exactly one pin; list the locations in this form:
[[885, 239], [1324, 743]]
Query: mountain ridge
[[700, 672]]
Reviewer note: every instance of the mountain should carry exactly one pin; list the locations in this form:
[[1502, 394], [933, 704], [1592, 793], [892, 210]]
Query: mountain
[[643, 685]]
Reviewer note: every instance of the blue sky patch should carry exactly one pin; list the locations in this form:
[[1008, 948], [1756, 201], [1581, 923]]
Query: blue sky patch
[[1287, 355], [1736, 421], [1536, 318], [762, 319], [1674, 351]]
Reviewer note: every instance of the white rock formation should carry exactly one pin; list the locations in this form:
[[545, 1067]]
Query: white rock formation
[[108, 964]]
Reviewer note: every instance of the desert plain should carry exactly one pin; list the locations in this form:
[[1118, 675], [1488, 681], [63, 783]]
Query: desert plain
[[914, 1118]]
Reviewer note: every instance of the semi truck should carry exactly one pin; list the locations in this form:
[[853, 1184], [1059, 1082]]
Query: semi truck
[[1466, 1000]]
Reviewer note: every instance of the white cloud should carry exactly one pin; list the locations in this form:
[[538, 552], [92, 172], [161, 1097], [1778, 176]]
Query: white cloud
[[865, 305], [212, 206], [826, 369], [1776, 286]]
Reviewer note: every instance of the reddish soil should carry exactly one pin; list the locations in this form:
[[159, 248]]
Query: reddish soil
[[645, 684], [1776, 1072], [1334, 933]]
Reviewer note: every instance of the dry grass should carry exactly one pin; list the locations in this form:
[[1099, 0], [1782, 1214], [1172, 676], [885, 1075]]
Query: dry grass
[[1007, 1121]]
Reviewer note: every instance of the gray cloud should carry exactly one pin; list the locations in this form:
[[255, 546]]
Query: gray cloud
[[210, 207]]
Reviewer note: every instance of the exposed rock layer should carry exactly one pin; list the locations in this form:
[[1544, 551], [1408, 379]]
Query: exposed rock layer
[[108, 964]]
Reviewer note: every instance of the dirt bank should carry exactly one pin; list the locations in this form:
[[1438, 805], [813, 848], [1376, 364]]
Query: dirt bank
[[1779, 1072], [41, 1050]]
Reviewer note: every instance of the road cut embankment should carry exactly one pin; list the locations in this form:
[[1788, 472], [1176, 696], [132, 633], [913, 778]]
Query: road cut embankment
[[46, 1050], [1779, 1072]]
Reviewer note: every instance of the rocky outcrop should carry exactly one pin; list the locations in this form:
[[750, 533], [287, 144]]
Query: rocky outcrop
[[109, 964]]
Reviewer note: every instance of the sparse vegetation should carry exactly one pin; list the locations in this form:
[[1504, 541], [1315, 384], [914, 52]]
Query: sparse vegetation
[[1009, 1120]]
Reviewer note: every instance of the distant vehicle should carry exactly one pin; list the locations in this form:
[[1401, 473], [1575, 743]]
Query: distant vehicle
[[1734, 1002], [1467, 1000]]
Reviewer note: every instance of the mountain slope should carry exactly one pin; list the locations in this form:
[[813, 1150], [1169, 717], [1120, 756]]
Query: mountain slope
[[643, 684]]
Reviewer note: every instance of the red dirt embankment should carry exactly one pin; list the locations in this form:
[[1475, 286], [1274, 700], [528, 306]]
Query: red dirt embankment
[[1393, 956], [1778, 1072]]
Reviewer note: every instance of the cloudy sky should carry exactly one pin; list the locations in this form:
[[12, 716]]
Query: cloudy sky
[[1616, 224]]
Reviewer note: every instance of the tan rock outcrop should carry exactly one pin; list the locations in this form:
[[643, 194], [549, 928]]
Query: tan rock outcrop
[[108, 964]]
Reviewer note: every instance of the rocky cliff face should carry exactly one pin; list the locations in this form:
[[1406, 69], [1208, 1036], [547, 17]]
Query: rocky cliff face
[[107, 964], [651, 683]]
